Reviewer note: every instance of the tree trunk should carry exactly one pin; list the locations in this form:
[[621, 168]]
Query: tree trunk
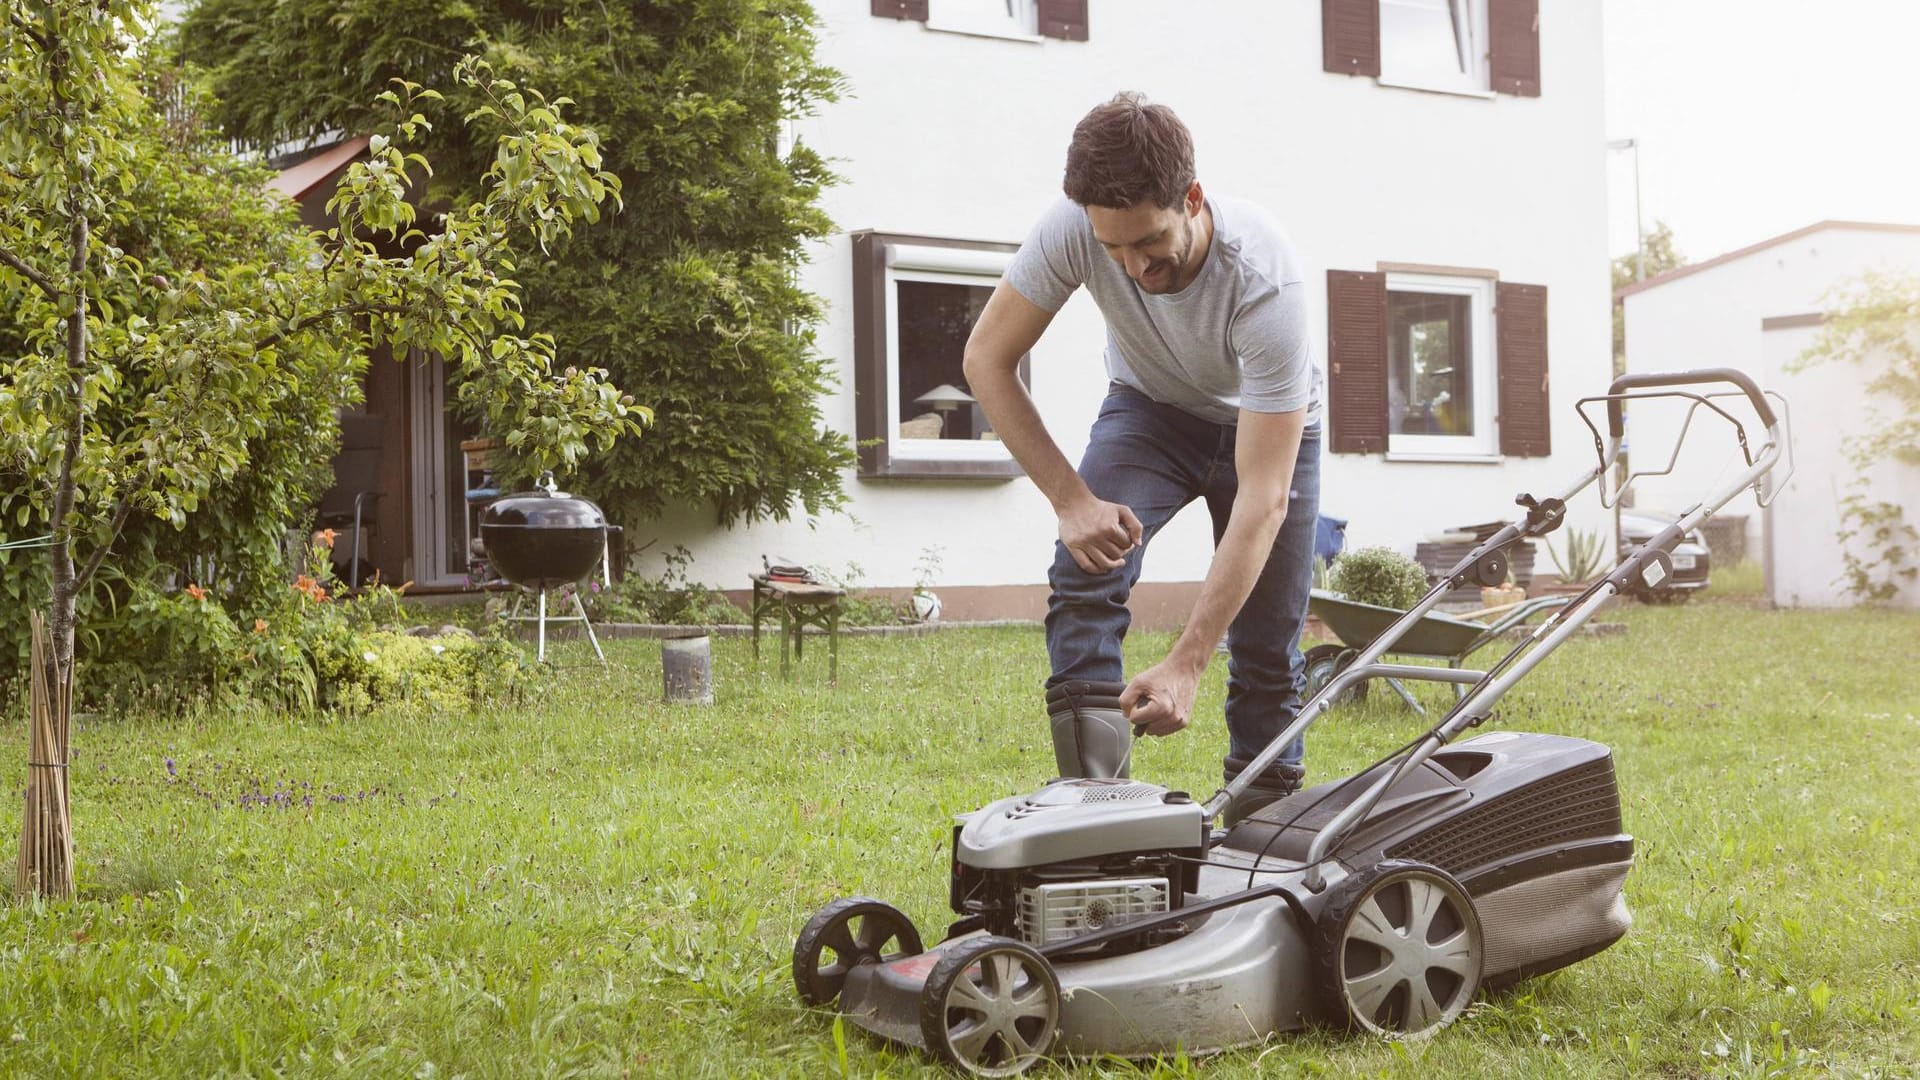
[[46, 848], [66, 587]]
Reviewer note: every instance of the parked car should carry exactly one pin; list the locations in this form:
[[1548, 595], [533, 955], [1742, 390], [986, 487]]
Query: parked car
[[1692, 559]]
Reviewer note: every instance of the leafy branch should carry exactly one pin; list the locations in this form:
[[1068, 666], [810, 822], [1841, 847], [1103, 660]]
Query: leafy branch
[[25, 269], [1874, 323]]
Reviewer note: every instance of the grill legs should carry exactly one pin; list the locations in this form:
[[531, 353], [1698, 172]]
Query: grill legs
[[541, 619]]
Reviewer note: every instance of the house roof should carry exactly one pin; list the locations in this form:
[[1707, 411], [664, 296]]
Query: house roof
[[1682, 271], [296, 181]]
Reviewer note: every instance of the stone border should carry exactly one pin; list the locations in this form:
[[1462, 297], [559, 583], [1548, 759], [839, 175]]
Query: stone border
[[673, 630], [729, 630]]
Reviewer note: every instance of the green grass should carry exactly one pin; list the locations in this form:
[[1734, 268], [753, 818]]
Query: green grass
[[590, 883], [1745, 579]]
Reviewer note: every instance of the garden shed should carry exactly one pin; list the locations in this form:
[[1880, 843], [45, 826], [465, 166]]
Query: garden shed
[[1760, 309]]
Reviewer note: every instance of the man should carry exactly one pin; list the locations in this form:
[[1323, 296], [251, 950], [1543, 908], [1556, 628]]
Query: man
[[1213, 395]]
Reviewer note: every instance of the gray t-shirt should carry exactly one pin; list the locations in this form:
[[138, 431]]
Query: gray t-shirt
[[1236, 337]]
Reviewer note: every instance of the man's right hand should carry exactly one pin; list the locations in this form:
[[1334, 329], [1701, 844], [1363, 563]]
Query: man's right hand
[[1099, 534]]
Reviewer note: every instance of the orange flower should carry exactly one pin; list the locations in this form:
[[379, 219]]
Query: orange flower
[[324, 538], [196, 592], [259, 626]]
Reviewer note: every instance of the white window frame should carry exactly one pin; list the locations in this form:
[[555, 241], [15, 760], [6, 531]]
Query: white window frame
[[1484, 443], [1470, 19], [941, 266], [1019, 20]]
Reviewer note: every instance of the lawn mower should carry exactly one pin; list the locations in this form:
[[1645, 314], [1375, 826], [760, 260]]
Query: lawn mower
[[1109, 916]]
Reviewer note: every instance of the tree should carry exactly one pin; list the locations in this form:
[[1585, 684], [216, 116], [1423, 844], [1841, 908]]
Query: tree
[[1874, 322], [1657, 255], [689, 297], [216, 347], [194, 209]]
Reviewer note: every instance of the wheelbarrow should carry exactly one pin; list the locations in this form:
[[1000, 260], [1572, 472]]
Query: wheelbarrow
[[1435, 636]]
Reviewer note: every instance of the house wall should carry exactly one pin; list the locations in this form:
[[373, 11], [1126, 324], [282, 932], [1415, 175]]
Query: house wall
[[1713, 318], [965, 137]]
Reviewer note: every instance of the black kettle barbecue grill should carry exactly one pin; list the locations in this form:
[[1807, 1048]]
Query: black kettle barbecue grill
[[542, 540]]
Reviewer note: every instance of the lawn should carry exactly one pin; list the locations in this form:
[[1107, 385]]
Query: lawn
[[589, 883]]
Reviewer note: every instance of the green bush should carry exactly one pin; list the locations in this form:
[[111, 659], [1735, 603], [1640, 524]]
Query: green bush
[[1379, 576], [166, 645], [675, 599], [672, 598], [445, 673], [300, 649], [864, 607], [874, 609]]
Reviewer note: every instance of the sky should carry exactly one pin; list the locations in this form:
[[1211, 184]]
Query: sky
[[1752, 118]]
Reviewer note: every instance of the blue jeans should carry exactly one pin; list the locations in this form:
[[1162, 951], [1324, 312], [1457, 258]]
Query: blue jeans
[[1155, 459]]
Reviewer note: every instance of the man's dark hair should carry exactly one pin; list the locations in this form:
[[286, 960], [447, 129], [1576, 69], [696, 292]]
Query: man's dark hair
[[1127, 152]]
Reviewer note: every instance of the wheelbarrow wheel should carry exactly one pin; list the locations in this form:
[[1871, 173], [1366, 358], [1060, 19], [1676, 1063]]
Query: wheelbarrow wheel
[[1398, 950], [842, 936], [991, 1007], [1323, 662]]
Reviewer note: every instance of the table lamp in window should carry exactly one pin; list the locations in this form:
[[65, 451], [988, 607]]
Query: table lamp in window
[[943, 399]]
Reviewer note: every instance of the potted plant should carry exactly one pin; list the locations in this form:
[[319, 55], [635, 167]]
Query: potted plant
[[1379, 576]]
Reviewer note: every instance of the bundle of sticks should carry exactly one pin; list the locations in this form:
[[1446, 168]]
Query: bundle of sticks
[[46, 833]]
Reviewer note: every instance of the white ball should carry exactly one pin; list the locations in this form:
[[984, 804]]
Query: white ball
[[926, 606]]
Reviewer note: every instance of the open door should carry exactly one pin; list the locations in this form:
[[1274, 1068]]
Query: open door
[[439, 505]]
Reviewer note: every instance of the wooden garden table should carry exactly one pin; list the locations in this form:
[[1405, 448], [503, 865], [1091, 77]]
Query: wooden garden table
[[799, 604]]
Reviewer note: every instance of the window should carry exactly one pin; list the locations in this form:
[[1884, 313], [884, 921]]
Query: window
[[988, 18], [915, 302], [1439, 365], [1434, 363], [1434, 44], [1024, 20], [1474, 47]]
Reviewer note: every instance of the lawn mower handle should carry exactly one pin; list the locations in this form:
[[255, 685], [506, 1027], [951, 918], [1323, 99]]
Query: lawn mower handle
[[1616, 428], [1550, 635]]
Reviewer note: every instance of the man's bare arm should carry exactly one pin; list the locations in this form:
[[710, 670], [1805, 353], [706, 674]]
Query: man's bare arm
[[1098, 534], [1266, 446]]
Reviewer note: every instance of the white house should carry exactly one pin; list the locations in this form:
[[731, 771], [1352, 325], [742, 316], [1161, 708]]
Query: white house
[[1438, 163], [1759, 309]]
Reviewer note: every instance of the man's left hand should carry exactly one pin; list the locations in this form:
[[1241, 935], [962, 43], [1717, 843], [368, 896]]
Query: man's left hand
[[1159, 700]]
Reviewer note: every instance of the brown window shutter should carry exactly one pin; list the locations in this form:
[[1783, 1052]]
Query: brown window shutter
[[1063, 19], [901, 9], [1520, 312], [1513, 30], [1357, 361], [1350, 36]]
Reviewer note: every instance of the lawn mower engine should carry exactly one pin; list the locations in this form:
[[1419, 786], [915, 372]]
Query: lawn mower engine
[[1075, 857]]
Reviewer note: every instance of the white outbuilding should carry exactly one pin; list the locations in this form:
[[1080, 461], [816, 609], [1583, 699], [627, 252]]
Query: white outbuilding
[[1759, 309]]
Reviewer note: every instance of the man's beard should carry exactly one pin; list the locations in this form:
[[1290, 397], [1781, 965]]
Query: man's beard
[[1173, 265]]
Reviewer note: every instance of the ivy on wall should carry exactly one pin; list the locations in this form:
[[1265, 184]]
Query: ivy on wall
[[1873, 322]]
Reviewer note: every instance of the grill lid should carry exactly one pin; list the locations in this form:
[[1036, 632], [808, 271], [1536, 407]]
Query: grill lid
[[545, 507]]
